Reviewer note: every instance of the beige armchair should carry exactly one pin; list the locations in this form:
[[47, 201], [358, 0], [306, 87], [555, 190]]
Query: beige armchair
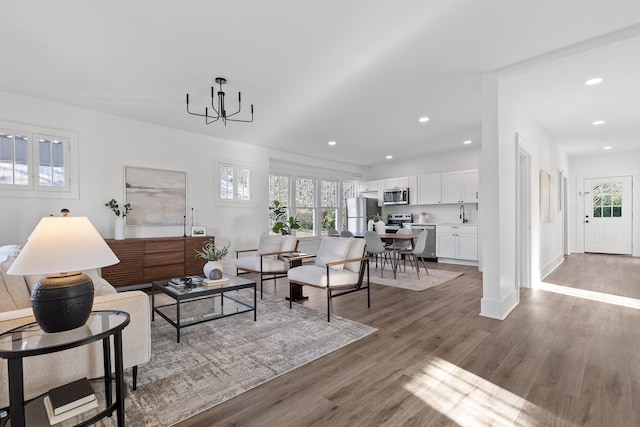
[[339, 269], [267, 260]]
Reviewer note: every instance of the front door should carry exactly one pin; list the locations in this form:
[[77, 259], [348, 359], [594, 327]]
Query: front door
[[608, 209]]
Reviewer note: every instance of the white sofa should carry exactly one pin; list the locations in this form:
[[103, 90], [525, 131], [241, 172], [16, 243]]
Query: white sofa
[[42, 373]]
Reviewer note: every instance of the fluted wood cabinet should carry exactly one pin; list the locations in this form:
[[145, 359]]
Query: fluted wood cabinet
[[143, 260]]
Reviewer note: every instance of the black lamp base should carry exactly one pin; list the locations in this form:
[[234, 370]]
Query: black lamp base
[[61, 303]]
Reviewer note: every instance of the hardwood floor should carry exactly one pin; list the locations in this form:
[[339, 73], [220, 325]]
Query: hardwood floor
[[557, 360]]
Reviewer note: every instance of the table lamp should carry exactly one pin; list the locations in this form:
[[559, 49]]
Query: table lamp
[[59, 247]]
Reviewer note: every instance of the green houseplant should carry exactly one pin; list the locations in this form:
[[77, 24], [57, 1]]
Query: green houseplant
[[279, 220], [120, 214], [213, 268]]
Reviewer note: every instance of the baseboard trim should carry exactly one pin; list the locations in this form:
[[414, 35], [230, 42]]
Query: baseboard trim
[[498, 309], [551, 266]]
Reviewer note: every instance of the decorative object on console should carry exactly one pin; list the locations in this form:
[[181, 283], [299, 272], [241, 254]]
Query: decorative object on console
[[160, 196], [61, 247], [197, 230], [281, 223], [119, 225], [221, 112], [213, 268]]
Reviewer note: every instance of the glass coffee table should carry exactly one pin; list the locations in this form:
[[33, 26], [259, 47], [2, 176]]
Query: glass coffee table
[[198, 304]]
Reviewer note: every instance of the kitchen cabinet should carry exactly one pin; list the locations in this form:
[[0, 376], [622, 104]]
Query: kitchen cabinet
[[368, 186], [460, 186], [391, 183], [457, 242], [429, 191]]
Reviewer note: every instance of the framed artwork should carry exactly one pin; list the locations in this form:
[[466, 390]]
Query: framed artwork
[[157, 196], [197, 231], [545, 197]]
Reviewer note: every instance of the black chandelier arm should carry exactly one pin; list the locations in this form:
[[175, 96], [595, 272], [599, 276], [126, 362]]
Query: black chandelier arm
[[239, 106], [243, 121], [213, 104]]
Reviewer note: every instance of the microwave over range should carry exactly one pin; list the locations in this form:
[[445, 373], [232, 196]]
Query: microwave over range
[[396, 196]]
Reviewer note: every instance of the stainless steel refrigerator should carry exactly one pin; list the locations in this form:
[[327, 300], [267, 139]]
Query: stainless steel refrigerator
[[359, 211]]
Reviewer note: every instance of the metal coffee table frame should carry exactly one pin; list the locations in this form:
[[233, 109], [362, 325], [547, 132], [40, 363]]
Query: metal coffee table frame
[[199, 293]]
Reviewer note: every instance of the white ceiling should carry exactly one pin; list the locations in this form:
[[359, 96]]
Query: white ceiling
[[357, 72]]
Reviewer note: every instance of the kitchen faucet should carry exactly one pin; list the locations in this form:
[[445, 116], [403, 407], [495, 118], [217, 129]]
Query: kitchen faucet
[[462, 214]]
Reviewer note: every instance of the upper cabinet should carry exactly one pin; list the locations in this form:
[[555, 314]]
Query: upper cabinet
[[460, 186], [366, 186], [390, 184], [429, 189]]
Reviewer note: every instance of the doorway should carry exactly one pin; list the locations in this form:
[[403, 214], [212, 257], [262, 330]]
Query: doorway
[[523, 217], [607, 210]]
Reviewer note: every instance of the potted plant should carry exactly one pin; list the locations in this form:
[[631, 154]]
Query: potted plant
[[119, 225], [280, 222], [213, 268]]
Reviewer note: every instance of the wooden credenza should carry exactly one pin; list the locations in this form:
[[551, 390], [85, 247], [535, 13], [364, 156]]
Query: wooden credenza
[[143, 260]]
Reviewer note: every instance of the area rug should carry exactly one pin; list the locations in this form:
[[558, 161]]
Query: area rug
[[220, 359], [409, 279]]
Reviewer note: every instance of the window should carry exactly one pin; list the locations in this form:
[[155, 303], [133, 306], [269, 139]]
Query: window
[[279, 189], [607, 200], [329, 204], [306, 206], [235, 182], [37, 162], [316, 202]]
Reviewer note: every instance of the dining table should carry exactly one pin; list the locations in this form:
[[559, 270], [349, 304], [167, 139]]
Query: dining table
[[393, 238]]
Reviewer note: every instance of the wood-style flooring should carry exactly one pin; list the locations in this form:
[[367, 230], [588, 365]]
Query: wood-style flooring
[[557, 360]]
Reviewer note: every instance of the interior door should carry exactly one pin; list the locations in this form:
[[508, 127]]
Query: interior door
[[608, 210]]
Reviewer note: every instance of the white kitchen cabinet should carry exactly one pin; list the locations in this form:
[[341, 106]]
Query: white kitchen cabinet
[[391, 183], [457, 242], [429, 189], [367, 186], [460, 186]]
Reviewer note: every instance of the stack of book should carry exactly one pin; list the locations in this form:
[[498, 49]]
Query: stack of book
[[214, 283], [69, 400], [180, 282]]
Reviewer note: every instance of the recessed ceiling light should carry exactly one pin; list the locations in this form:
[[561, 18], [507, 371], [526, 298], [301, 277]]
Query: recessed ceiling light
[[331, 143], [389, 157], [467, 142], [598, 122], [593, 81], [608, 147], [423, 119]]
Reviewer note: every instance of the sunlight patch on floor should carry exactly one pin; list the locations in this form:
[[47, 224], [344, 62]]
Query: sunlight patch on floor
[[590, 295], [470, 400]]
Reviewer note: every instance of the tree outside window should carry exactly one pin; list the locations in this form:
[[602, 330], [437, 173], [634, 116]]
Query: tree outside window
[[329, 204], [305, 206]]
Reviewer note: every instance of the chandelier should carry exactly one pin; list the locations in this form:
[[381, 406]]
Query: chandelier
[[220, 112]]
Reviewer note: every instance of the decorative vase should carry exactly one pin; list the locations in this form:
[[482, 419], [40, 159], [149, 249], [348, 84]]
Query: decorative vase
[[213, 270], [119, 228], [371, 225], [380, 227]]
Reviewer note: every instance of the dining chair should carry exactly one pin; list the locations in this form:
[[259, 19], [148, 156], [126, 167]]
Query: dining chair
[[346, 233], [416, 252], [377, 248], [403, 244]]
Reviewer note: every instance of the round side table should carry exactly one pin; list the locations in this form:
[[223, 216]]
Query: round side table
[[30, 340]]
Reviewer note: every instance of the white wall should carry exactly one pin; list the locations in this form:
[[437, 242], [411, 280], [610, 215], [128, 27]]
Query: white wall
[[608, 163], [106, 144], [504, 116]]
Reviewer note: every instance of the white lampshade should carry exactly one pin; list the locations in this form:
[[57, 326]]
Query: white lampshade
[[61, 245]]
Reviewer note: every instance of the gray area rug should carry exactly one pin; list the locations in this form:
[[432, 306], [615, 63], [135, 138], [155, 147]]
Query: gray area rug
[[220, 359], [409, 279]]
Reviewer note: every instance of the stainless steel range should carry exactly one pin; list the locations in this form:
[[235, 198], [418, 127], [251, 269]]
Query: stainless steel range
[[396, 221]]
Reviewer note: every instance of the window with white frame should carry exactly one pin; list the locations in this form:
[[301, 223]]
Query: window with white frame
[[329, 205], [305, 206], [312, 204], [234, 182], [37, 162]]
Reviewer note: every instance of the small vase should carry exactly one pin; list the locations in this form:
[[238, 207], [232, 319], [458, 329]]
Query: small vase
[[212, 270], [119, 228], [380, 227]]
